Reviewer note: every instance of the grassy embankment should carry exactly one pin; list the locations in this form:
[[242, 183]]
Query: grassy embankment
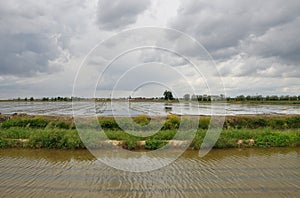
[[60, 133]]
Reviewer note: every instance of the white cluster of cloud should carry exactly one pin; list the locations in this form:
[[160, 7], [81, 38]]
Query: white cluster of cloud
[[255, 44]]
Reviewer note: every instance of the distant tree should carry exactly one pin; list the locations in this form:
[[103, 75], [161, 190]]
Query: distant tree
[[31, 99], [274, 97], [194, 97], [208, 98], [45, 99], [205, 97], [284, 97], [186, 97], [25, 99], [199, 97], [259, 97], [240, 98], [293, 97], [168, 95]]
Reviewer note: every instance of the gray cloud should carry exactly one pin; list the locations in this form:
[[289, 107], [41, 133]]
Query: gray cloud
[[33, 35], [255, 44], [259, 29], [280, 41], [27, 54], [118, 14]]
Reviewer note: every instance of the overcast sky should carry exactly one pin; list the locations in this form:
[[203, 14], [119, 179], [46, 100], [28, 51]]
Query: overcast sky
[[253, 47]]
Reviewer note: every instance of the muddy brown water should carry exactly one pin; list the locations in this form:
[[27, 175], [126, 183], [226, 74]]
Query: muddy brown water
[[230, 172]]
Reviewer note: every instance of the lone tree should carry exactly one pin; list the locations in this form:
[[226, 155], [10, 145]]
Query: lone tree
[[168, 95]]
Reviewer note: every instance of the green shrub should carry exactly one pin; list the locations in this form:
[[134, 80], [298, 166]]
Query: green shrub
[[58, 125], [164, 135], [238, 123], [196, 143], [36, 140], [130, 143], [3, 143], [55, 139], [15, 133], [238, 133], [139, 123], [293, 122], [255, 122], [25, 122], [273, 139], [153, 144], [204, 123], [142, 120], [278, 123], [72, 140], [172, 122], [63, 125], [225, 142], [117, 135], [109, 123], [297, 138]]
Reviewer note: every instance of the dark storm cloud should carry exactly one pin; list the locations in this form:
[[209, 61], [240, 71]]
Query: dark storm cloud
[[280, 41], [34, 34], [259, 29], [119, 13], [26, 54]]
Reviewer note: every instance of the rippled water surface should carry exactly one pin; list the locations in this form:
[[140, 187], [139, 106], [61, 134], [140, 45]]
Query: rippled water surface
[[230, 172], [136, 108]]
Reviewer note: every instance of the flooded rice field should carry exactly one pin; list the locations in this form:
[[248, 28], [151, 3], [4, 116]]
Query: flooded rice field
[[229, 172], [136, 108]]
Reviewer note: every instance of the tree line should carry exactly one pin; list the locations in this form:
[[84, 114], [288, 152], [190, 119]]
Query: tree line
[[241, 98], [44, 99], [168, 95]]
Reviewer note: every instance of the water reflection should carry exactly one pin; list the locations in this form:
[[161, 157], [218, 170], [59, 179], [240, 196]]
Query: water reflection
[[187, 106], [168, 107], [137, 108], [49, 155]]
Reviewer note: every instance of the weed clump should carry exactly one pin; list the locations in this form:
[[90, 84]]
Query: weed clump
[[25, 122]]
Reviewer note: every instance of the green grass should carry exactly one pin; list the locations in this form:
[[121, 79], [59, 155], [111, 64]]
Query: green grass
[[69, 139], [263, 137], [254, 122], [241, 131], [153, 144], [55, 139], [25, 122]]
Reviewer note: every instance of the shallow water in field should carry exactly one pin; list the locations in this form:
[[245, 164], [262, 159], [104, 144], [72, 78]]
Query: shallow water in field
[[230, 172], [136, 108]]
